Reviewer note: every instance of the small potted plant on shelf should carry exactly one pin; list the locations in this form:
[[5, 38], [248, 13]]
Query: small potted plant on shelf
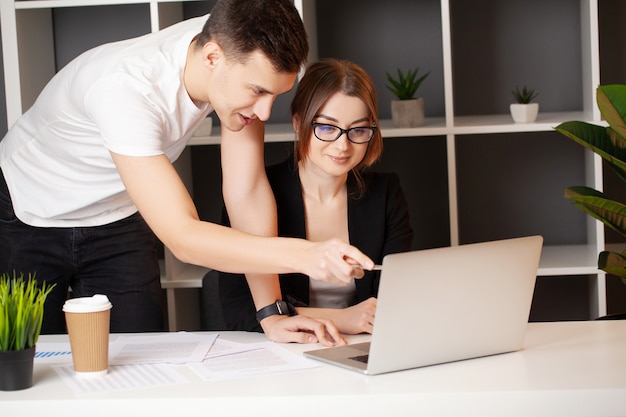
[[21, 316], [406, 111], [523, 110], [610, 143]]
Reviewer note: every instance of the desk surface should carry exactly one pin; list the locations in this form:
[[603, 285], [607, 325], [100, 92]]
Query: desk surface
[[566, 369]]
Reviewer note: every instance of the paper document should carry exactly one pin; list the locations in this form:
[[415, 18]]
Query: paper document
[[53, 353], [148, 361], [178, 347], [121, 378], [228, 360]]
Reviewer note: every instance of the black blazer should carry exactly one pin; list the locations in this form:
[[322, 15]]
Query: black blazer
[[378, 224]]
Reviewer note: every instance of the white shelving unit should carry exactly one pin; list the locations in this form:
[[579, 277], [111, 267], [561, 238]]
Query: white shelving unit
[[28, 48]]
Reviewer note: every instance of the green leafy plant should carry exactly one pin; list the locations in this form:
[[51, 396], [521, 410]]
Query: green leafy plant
[[405, 86], [610, 143], [21, 311], [525, 95]]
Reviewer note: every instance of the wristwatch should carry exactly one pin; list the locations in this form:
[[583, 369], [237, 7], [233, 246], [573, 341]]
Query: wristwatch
[[280, 307]]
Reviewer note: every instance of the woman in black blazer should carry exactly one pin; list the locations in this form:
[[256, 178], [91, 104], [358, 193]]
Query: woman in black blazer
[[326, 190]]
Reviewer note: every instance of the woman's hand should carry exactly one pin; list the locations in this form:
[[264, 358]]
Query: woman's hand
[[301, 329], [356, 319]]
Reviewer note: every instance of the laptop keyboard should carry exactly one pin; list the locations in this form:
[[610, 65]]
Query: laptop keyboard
[[361, 358]]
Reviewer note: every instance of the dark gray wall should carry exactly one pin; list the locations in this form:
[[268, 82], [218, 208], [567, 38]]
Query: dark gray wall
[[77, 29], [512, 185], [498, 44], [384, 36]]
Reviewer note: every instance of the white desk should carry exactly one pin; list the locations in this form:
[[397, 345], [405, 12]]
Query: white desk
[[567, 369]]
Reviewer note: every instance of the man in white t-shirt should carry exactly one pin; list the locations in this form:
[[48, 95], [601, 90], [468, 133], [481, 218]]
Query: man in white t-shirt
[[88, 174]]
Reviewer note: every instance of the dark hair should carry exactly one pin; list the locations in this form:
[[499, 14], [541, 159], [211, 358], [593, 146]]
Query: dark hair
[[272, 27], [321, 80]]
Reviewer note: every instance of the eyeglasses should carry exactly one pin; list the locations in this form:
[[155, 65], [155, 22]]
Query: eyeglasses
[[330, 133]]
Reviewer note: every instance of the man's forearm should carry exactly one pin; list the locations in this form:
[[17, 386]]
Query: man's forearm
[[249, 199]]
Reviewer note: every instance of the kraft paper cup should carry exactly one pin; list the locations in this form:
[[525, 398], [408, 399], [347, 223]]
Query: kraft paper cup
[[88, 324]]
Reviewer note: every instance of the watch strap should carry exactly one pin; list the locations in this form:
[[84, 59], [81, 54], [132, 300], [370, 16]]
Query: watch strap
[[279, 307]]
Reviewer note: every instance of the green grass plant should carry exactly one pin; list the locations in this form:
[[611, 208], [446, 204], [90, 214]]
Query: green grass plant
[[21, 311], [404, 86], [525, 95]]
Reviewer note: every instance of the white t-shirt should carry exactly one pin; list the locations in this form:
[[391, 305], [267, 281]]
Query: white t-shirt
[[127, 97]]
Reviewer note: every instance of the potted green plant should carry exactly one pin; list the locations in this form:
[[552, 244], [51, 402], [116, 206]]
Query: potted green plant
[[406, 111], [610, 143], [524, 110], [21, 316]]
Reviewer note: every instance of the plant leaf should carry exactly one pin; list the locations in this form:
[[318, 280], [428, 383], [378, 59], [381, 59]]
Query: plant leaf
[[613, 263], [21, 311], [612, 104], [404, 86], [610, 144], [597, 205], [599, 140]]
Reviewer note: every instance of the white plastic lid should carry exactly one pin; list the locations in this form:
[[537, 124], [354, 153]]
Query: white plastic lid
[[98, 302]]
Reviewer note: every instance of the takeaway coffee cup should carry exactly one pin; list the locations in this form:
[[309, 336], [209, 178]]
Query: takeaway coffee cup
[[88, 323]]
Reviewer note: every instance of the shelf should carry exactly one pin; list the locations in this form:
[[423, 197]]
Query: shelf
[[274, 132], [433, 126], [503, 123], [568, 260], [190, 277], [283, 132]]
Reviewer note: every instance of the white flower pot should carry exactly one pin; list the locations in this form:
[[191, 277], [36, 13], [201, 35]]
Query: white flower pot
[[407, 113], [524, 113]]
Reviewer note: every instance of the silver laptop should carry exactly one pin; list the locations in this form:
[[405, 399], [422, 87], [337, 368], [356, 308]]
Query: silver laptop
[[446, 304]]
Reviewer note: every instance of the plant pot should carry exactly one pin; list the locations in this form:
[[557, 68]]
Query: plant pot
[[407, 113], [524, 113], [16, 369]]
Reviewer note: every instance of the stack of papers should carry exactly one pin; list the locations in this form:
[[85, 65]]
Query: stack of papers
[[140, 362], [227, 360]]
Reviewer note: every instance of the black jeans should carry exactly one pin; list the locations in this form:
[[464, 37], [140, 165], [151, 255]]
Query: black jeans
[[117, 259]]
